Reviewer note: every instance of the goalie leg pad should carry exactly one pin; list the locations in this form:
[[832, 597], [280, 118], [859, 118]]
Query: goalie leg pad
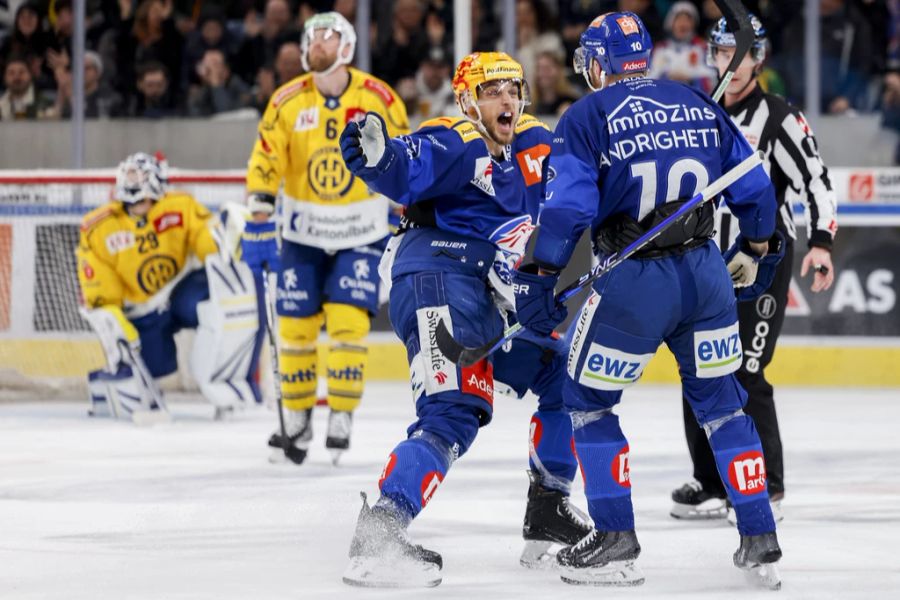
[[118, 394], [222, 358], [346, 365]]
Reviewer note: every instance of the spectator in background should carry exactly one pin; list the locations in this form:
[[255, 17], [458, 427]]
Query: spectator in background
[[682, 55], [400, 48], [147, 36], [21, 99], [434, 93], [153, 100], [846, 57], [536, 31], [211, 33], [220, 91], [646, 10], [99, 100], [264, 88], [552, 93], [485, 30], [28, 38], [574, 18], [262, 38], [288, 63]]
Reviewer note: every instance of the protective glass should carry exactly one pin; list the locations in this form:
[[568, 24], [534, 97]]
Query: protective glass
[[492, 91]]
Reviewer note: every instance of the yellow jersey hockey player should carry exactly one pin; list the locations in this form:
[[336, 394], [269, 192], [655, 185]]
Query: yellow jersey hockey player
[[140, 266], [333, 228]]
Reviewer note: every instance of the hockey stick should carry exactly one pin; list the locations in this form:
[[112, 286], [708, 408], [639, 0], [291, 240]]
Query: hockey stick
[[465, 357], [273, 351], [739, 22]]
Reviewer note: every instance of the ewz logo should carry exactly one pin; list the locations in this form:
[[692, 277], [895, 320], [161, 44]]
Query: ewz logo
[[610, 369], [718, 352]]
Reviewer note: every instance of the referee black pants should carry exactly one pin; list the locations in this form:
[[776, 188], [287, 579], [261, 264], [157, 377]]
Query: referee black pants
[[760, 323]]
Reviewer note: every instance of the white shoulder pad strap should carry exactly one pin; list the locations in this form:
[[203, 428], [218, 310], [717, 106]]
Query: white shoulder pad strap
[[228, 324]]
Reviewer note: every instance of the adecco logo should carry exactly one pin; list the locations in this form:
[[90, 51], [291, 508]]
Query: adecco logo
[[747, 473]]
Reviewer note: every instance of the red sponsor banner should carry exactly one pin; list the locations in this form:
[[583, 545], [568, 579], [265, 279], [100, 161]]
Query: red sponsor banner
[[380, 89], [634, 65], [167, 220], [862, 187], [536, 431]]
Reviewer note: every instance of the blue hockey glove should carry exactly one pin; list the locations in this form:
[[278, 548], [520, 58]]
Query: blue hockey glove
[[743, 262], [366, 147], [259, 245], [536, 306]]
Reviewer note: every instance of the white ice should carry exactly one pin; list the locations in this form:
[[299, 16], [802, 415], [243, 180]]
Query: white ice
[[91, 508]]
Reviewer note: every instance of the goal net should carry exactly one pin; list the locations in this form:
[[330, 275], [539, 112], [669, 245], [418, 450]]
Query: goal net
[[45, 345]]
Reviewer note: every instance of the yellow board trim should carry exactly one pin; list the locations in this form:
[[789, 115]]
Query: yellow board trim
[[793, 365]]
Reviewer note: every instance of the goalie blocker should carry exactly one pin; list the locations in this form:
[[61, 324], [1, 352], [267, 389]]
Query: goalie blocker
[[220, 303]]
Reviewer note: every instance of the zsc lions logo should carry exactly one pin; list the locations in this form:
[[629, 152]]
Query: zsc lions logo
[[511, 238], [361, 269]]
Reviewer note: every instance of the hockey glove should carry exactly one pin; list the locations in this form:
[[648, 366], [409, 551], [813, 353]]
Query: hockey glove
[[259, 246], [366, 147], [742, 262], [260, 202], [536, 306]]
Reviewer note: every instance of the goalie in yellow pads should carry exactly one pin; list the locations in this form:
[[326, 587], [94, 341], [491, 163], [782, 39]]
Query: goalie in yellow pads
[[333, 229], [141, 262]]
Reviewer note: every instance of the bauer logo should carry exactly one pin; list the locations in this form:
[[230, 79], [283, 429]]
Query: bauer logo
[[430, 484], [609, 369], [747, 473], [717, 352], [619, 469]]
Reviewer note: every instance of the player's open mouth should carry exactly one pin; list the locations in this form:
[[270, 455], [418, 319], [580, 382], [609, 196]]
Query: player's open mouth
[[505, 121]]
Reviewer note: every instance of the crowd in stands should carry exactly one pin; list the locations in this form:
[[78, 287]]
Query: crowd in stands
[[196, 58]]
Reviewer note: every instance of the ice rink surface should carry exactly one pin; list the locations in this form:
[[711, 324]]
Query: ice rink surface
[[91, 508]]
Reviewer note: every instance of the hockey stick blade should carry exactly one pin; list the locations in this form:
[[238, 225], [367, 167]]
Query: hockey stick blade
[[738, 20], [465, 356]]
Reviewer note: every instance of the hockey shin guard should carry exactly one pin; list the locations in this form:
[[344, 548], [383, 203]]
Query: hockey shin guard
[[603, 454], [739, 458], [413, 472], [346, 368], [298, 377], [550, 449]]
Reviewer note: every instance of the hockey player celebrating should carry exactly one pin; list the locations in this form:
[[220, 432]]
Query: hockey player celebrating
[[792, 160], [333, 228], [140, 265], [472, 187], [625, 156]]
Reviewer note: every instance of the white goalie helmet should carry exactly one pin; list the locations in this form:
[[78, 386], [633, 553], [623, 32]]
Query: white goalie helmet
[[140, 176], [332, 23]]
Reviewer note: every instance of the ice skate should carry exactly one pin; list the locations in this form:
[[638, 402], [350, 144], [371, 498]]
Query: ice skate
[[692, 503], [549, 520], [602, 558], [758, 557], [298, 427], [774, 503], [340, 424], [381, 554]]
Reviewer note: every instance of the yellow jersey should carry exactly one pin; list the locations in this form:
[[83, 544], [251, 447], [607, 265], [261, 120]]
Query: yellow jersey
[[298, 143], [127, 261]]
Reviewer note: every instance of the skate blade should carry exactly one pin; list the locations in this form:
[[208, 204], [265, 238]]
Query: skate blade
[[711, 509], [765, 576], [614, 574], [536, 555], [148, 418], [373, 572]]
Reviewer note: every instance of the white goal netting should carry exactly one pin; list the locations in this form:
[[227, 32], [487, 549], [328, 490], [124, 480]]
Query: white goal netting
[[44, 342]]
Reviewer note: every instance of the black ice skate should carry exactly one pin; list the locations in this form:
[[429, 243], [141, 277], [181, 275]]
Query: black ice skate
[[692, 502], [549, 519], [758, 557], [340, 424], [298, 427], [602, 558], [381, 554]]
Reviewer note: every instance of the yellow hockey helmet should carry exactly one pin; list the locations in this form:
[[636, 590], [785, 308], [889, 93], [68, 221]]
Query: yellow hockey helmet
[[480, 68]]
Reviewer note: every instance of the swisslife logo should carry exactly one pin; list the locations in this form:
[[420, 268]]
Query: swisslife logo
[[484, 170], [437, 371], [747, 473]]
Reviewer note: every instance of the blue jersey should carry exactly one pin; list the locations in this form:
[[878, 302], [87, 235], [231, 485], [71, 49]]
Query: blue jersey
[[446, 168], [636, 145]]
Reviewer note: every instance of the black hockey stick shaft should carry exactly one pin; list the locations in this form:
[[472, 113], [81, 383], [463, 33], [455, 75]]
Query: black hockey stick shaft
[[465, 356], [738, 20], [273, 352]]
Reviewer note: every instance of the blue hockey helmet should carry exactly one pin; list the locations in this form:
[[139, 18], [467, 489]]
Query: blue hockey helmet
[[618, 41], [721, 36]]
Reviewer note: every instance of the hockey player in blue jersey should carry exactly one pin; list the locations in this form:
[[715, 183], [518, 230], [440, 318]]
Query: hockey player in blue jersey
[[472, 188], [625, 156]]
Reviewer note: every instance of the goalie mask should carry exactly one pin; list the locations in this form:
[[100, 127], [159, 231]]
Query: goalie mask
[[139, 177], [332, 23], [618, 42], [722, 37], [482, 70]]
